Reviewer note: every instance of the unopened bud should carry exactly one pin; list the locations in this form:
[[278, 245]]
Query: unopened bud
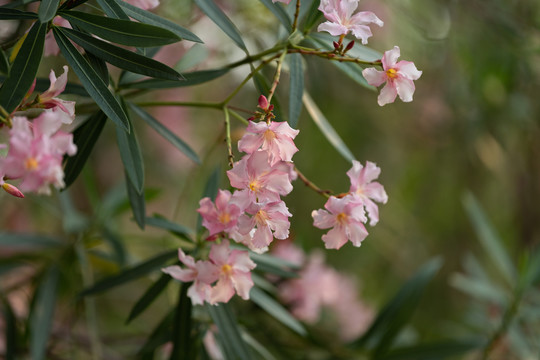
[[263, 102], [349, 45], [336, 45], [271, 108], [12, 190]]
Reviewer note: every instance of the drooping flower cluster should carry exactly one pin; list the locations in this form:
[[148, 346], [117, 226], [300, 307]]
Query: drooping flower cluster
[[36, 147], [346, 214]]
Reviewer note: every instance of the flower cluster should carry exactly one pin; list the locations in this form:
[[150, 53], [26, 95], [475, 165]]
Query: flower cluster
[[37, 147], [346, 214]]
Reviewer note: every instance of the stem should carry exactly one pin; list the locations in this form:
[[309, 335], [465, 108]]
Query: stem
[[276, 76], [238, 116], [252, 58], [311, 185], [228, 136], [296, 14], [332, 56]]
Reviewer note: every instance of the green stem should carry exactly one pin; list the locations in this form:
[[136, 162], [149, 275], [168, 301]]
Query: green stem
[[296, 14], [276, 77], [332, 56], [228, 136], [238, 116], [311, 185]]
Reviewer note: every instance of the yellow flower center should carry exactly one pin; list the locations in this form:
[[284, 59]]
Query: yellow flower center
[[254, 186], [261, 217], [224, 218], [269, 135], [391, 73], [226, 269], [341, 218], [31, 164]]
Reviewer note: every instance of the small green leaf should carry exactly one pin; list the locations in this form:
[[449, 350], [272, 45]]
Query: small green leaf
[[137, 202], [276, 310], [121, 31], [228, 332], [85, 137], [149, 296], [91, 81], [279, 13], [221, 20], [174, 228], [42, 314], [326, 128], [166, 133], [434, 351], [47, 10], [190, 79], [10, 331], [24, 68], [131, 273], [296, 88], [131, 156], [14, 14], [31, 241], [123, 58], [181, 336]]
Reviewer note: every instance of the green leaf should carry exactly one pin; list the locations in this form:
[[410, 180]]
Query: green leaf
[[42, 314], [228, 332], [47, 10], [121, 31], [193, 57], [70, 4], [210, 190], [99, 66], [174, 228], [276, 310], [123, 58], [478, 289], [14, 14], [152, 19], [397, 312], [85, 137], [137, 202], [274, 265], [91, 81], [24, 68], [131, 273], [434, 351], [159, 336], [149, 296], [17, 3], [326, 128], [313, 16], [131, 156], [166, 133], [296, 88], [279, 13], [112, 9], [117, 245], [4, 64], [220, 19], [489, 239], [31, 241], [10, 331], [181, 335], [190, 79]]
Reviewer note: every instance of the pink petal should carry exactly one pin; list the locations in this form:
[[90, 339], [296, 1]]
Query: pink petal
[[408, 70], [223, 291], [335, 238], [356, 233], [362, 32], [243, 283], [366, 17], [333, 28], [184, 275], [374, 77], [387, 95], [322, 219], [390, 57], [405, 89]]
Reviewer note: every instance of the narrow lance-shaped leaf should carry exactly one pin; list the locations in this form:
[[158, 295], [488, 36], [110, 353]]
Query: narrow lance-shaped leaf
[[181, 336], [296, 88], [47, 10], [152, 19], [24, 68], [279, 13], [17, 3], [14, 14], [190, 79], [137, 202], [70, 4], [221, 20], [228, 332], [326, 128], [121, 31], [4, 64], [31, 241], [131, 156], [112, 9], [99, 66], [149, 296], [91, 81], [176, 229], [313, 15]]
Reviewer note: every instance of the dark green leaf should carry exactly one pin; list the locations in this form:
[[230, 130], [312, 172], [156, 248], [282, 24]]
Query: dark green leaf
[[120, 31], [137, 202], [13, 14], [98, 65], [131, 273], [221, 20], [10, 332], [276, 310], [152, 19], [434, 351], [174, 228], [228, 332], [112, 9], [24, 69], [193, 57], [91, 81], [279, 13], [210, 190], [296, 88], [181, 336], [397, 312], [117, 245], [31, 241], [123, 58], [70, 4], [47, 10], [130, 153], [43, 84], [149, 296], [313, 15], [4, 63], [166, 133], [42, 314], [17, 3], [326, 128], [158, 337], [85, 137], [190, 79]]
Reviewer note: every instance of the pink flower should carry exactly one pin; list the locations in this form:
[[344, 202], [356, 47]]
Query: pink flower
[[202, 273], [363, 186], [398, 76], [51, 48], [341, 19], [144, 4], [276, 137], [346, 217], [49, 98], [222, 216], [258, 180], [234, 273]]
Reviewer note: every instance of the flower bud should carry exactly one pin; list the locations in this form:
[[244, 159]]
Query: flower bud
[[263, 102], [349, 45], [12, 190]]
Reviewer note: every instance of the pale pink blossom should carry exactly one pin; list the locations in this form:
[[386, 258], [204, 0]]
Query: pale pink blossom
[[341, 19], [276, 137], [346, 217], [234, 272], [49, 99], [144, 4], [222, 216], [211, 345], [286, 250], [363, 186], [258, 180], [398, 76], [201, 273]]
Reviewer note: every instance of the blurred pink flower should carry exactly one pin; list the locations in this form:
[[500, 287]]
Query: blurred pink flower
[[223, 216], [51, 48], [363, 186], [49, 99], [144, 4], [346, 217], [341, 19], [398, 76], [276, 137]]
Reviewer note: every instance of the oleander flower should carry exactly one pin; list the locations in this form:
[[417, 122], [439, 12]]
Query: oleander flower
[[144, 4], [49, 100], [275, 137], [398, 76], [221, 216]]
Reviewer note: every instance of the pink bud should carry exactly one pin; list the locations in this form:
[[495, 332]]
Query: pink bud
[[349, 46], [12, 190], [336, 45], [263, 102]]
